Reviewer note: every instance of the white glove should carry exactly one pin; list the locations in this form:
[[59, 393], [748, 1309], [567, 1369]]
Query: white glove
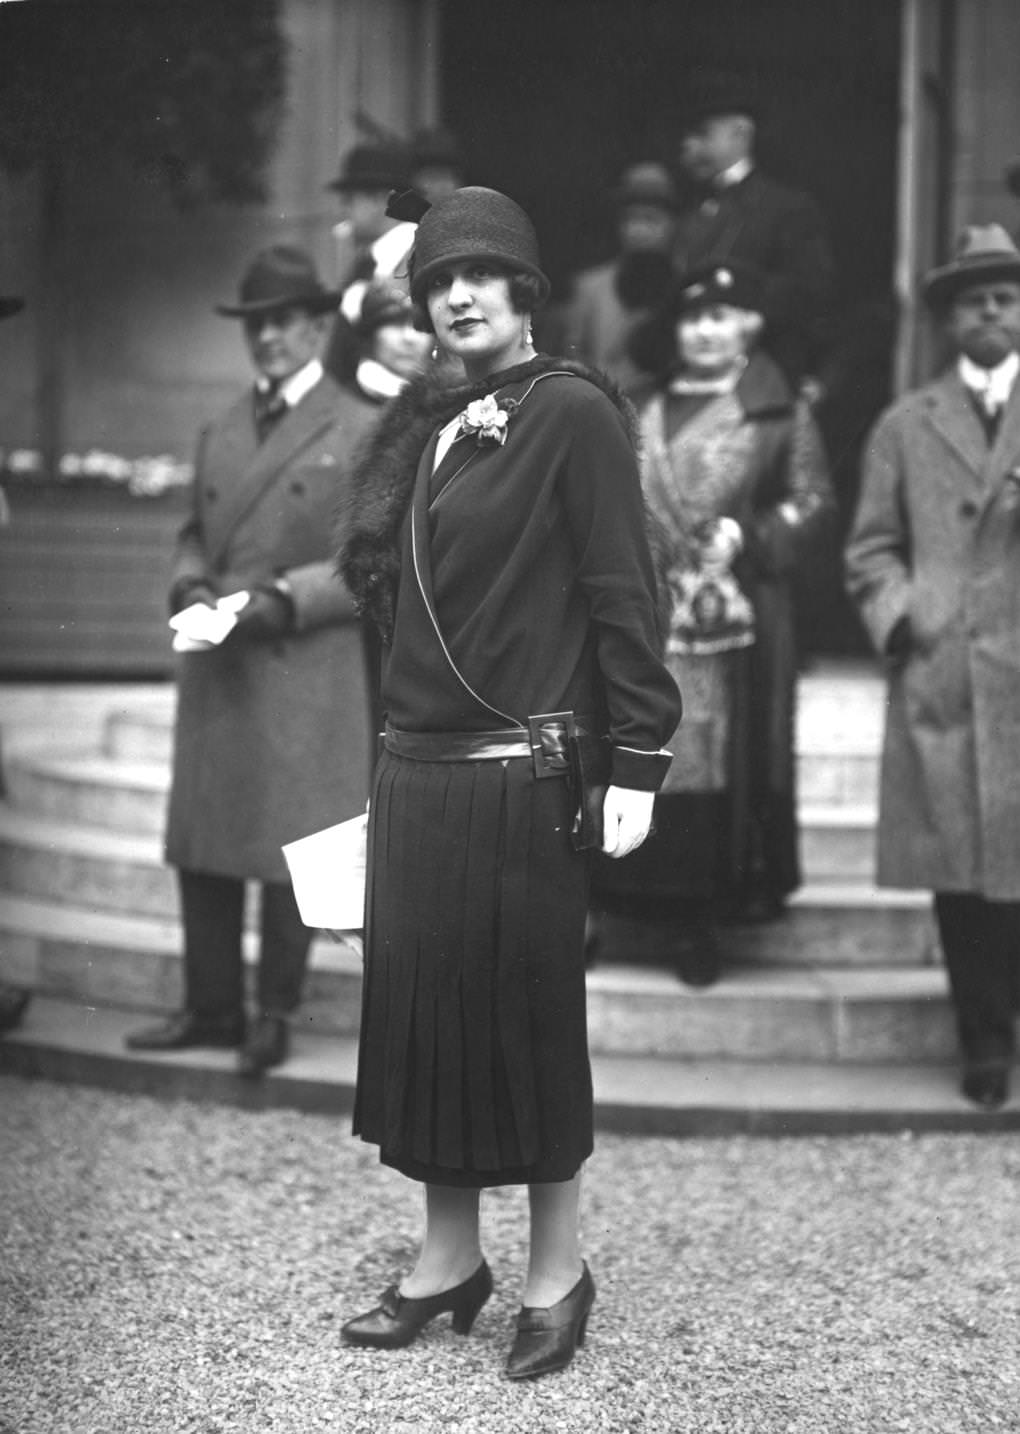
[[627, 816]]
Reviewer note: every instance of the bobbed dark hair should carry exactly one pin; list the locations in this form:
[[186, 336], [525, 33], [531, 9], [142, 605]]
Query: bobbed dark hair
[[527, 293]]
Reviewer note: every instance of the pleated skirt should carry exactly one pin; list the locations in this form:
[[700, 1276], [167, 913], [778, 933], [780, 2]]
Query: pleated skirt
[[473, 1065]]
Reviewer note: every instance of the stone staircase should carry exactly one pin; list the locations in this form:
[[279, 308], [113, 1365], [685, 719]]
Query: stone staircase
[[848, 981]]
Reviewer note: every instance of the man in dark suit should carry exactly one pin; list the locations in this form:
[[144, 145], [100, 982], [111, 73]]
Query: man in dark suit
[[732, 211], [271, 739]]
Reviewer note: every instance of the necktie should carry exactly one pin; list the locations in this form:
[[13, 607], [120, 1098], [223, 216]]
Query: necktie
[[270, 406]]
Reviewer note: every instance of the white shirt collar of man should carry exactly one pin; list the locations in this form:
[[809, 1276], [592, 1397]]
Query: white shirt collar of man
[[992, 386], [293, 389], [736, 172]]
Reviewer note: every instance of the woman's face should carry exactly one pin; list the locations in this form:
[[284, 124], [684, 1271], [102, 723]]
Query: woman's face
[[712, 340], [469, 305], [401, 348]]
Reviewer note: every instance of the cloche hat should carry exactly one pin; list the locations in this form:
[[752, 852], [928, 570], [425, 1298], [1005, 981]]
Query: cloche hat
[[385, 302], [737, 284], [983, 252], [471, 223], [280, 277]]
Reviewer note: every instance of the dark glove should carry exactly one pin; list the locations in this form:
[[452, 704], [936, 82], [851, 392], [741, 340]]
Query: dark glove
[[900, 640], [186, 591], [269, 612]]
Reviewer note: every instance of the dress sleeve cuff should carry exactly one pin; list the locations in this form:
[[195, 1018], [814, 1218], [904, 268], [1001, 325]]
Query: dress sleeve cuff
[[640, 771]]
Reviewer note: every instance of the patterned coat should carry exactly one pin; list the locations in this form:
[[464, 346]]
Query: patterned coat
[[936, 539], [272, 737]]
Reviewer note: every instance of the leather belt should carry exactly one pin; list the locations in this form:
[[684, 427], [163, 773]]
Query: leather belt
[[545, 740]]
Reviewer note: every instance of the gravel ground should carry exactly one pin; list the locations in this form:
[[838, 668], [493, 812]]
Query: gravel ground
[[184, 1269]]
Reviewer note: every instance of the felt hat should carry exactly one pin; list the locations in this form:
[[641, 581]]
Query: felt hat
[[372, 168], [646, 183], [471, 223], [983, 252], [9, 306], [385, 302], [715, 92], [280, 277], [738, 285]]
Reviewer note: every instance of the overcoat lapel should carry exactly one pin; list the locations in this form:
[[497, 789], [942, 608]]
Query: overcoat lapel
[[305, 422], [1006, 449], [952, 416]]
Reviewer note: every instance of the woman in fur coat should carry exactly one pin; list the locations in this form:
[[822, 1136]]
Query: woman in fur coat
[[737, 483], [498, 541]]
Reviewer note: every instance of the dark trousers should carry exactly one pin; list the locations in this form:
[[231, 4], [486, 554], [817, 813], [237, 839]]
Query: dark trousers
[[212, 910], [981, 945]]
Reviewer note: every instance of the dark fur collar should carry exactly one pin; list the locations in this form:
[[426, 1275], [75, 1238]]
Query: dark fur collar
[[383, 479]]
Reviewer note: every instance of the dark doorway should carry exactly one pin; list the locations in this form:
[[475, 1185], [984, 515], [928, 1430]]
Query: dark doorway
[[552, 98]]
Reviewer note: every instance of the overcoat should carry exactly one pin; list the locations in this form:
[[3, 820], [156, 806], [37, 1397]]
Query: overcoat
[[936, 539], [599, 326], [272, 738]]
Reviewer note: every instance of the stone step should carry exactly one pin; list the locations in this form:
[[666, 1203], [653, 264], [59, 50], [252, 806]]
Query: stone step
[[61, 1040], [891, 1014], [129, 796], [833, 771], [71, 864], [140, 735], [93, 790]]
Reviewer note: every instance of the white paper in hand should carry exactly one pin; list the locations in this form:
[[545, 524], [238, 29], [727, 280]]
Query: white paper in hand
[[199, 627], [328, 873]]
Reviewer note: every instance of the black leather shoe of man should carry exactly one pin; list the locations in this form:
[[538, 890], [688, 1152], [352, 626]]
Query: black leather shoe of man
[[185, 1029], [986, 1085], [268, 1044]]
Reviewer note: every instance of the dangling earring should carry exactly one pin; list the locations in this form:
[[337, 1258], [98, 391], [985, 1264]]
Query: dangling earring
[[527, 332]]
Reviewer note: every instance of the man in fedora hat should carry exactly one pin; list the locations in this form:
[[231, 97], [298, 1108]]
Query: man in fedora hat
[[609, 301], [271, 739], [732, 211], [933, 564]]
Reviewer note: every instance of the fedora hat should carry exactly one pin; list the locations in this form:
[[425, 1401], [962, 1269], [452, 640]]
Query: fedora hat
[[280, 277], [646, 183], [983, 252], [372, 168], [9, 306]]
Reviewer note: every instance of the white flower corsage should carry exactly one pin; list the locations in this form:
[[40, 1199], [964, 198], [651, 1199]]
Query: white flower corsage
[[486, 419]]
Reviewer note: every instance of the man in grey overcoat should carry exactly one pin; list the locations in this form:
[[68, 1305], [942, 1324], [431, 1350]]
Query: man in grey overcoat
[[933, 564], [272, 736]]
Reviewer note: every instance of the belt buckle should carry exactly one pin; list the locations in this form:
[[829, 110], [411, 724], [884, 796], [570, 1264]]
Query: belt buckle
[[541, 761]]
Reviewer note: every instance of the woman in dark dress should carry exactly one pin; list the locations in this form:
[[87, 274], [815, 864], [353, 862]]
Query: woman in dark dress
[[498, 540], [737, 484]]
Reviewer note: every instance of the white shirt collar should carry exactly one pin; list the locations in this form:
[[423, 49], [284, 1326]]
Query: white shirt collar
[[736, 172], [377, 380], [992, 385], [293, 389]]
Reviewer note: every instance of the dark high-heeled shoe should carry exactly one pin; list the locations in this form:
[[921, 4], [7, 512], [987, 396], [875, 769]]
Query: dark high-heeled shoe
[[547, 1339], [396, 1321]]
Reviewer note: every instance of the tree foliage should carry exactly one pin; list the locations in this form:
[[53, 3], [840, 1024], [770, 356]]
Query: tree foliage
[[191, 91]]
